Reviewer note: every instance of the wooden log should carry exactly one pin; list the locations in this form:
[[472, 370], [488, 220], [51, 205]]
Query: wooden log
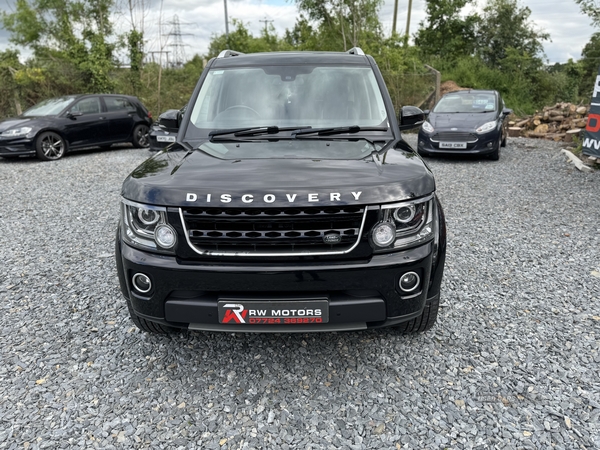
[[522, 123], [571, 133], [537, 122], [514, 131], [556, 112], [582, 110], [533, 134], [575, 160], [557, 118]]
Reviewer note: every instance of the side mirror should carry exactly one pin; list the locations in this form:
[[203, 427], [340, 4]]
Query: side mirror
[[426, 112], [507, 111], [170, 119], [73, 114], [410, 117]]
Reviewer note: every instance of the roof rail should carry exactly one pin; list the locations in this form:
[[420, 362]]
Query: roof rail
[[228, 53], [356, 51]]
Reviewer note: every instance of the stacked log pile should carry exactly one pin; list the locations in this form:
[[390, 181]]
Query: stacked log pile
[[558, 123]]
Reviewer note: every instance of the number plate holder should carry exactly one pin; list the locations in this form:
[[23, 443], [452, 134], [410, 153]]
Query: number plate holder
[[239, 311]]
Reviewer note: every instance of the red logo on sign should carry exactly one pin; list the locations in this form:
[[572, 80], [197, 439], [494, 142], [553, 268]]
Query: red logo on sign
[[593, 125], [237, 313]]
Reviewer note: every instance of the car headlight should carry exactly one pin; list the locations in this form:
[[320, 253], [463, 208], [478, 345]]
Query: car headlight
[[427, 127], [405, 225], [486, 127], [146, 227], [16, 132]]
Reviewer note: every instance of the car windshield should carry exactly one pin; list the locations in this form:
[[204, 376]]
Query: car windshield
[[466, 103], [49, 107], [287, 96]]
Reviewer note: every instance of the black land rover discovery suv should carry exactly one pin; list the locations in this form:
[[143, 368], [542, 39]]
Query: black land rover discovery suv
[[289, 202]]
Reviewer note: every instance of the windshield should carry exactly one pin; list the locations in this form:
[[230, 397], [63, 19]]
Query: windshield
[[466, 103], [287, 96], [49, 107]]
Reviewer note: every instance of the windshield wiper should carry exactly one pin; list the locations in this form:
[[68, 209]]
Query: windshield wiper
[[339, 130], [252, 131]]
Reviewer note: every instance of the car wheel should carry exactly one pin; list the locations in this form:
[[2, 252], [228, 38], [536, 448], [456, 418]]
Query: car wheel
[[423, 322], [140, 136], [50, 146], [503, 141], [148, 326], [495, 155]]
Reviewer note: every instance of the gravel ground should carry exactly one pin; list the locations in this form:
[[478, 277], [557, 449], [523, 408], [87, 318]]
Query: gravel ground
[[512, 363]]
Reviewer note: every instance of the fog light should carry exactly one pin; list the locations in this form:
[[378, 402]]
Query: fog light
[[409, 281], [141, 282], [490, 144], [165, 236], [384, 234]]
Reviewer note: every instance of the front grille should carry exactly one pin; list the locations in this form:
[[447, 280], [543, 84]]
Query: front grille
[[272, 232], [454, 136]]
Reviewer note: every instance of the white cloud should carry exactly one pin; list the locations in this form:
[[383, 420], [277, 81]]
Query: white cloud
[[568, 28]]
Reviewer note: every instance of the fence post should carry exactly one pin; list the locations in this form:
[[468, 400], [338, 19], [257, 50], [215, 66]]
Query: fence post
[[438, 82]]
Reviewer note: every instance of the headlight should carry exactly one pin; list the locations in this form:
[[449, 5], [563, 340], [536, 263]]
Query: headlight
[[16, 132], [427, 128], [146, 227], [486, 127], [413, 223]]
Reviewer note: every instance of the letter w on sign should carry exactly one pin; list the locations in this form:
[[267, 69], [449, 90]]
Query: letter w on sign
[[234, 312]]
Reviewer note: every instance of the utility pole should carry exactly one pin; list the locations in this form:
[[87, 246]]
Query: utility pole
[[407, 23], [226, 23], [266, 21], [395, 18]]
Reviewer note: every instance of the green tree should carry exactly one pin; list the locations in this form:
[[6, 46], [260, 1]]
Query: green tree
[[505, 25], [341, 24], [446, 34], [590, 61], [242, 40], [591, 8], [75, 31]]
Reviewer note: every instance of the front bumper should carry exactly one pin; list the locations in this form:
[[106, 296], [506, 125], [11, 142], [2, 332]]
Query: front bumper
[[486, 144], [17, 146], [160, 139], [360, 294]]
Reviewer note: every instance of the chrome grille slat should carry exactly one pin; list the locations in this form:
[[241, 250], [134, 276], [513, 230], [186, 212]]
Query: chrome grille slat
[[454, 136], [272, 232]]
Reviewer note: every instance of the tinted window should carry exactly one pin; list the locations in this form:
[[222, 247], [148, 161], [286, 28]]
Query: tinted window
[[466, 103], [87, 106], [49, 107], [118, 104]]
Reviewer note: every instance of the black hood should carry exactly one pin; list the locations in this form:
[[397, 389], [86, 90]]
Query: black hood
[[176, 178], [461, 121], [14, 122]]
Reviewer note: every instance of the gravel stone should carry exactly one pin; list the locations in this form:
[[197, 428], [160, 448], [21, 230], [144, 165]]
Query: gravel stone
[[512, 363]]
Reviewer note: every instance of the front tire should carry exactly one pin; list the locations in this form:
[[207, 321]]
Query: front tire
[[50, 146], [148, 326], [423, 322], [495, 155], [140, 136]]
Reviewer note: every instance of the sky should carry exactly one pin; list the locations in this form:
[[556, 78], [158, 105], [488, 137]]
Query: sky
[[201, 19]]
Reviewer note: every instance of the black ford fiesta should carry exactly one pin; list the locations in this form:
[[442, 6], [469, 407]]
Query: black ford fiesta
[[51, 128], [472, 122]]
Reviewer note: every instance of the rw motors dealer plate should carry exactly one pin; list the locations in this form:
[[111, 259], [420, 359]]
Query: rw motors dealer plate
[[236, 311]]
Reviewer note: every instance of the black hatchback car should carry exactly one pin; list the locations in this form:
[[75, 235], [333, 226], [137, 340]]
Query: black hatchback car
[[471, 122], [51, 128]]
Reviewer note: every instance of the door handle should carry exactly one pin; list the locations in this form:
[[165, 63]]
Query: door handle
[[102, 118]]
